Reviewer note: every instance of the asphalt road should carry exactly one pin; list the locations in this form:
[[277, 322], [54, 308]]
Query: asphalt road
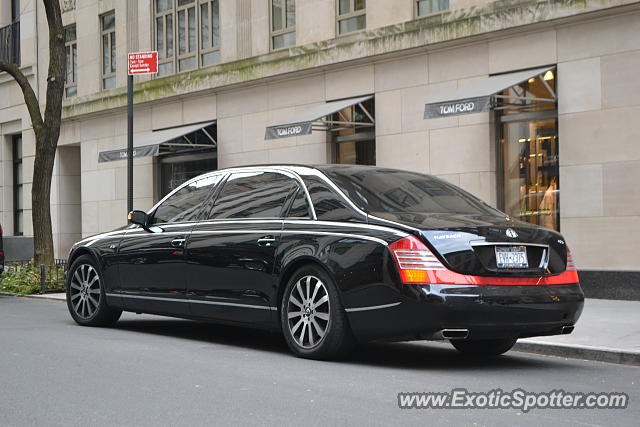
[[156, 371]]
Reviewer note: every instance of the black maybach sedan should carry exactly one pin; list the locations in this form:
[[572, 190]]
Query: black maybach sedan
[[331, 255]]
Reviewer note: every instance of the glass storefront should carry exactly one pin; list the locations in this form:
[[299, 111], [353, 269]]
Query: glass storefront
[[528, 154], [187, 157], [353, 144], [174, 171]]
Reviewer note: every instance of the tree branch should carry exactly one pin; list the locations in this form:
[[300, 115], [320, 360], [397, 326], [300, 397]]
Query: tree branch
[[30, 97]]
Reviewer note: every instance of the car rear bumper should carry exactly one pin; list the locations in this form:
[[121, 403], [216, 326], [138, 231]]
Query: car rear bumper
[[420, 311]]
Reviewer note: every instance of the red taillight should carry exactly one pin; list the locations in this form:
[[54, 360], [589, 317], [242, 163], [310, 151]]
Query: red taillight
[[414, 260], [418, 265]]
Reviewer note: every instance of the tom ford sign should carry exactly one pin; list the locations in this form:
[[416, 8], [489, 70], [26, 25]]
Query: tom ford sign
[[454, 108], [275, 132]]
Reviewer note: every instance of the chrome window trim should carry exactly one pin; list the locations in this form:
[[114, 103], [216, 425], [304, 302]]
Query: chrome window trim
[[306, 232]]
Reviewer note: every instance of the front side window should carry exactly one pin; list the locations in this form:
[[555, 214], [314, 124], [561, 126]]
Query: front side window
[[187, 34], [283, 23], [185, 204], [108, 32], [253, 195], [427, 7], [351, 15], [71, 61]]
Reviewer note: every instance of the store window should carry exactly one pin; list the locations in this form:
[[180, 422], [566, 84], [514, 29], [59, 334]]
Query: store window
[[283, 23], [352, 15], [108, 32], [187, 157], [71, 61], [18, 195], [354, 142], [192, 25], [529, 153], [427, 7]]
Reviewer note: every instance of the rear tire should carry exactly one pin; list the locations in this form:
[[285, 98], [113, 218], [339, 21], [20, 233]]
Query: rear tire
[[486, 348], [314, 323], [86, 298]]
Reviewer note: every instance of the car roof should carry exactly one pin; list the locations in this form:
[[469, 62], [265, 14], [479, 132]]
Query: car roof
[[319, 167]]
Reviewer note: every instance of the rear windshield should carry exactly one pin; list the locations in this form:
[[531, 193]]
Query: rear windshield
[[390, 190]]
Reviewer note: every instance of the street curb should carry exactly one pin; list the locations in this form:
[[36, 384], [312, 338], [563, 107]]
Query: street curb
[[34, 296], [45, 296], [575, 351]]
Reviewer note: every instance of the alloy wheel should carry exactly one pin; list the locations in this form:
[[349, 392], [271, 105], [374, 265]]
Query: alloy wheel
[[85, 291], [308, 311]]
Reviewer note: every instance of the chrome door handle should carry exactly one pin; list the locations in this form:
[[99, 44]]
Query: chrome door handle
[[178, 243], [266, 241]]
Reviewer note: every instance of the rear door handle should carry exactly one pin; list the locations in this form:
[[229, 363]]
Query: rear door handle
[[178, 243], [266, 241]]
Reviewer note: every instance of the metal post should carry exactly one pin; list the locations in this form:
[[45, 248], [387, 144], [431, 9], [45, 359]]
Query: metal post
[[43, 277], [129, 143]]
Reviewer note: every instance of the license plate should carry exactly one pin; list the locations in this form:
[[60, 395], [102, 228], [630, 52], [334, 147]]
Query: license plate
[[511, 257]]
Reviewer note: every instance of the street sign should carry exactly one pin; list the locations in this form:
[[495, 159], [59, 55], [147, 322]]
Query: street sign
[[143, 63]]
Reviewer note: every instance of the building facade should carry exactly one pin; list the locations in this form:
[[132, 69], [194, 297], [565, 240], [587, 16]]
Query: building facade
[[383, 82]]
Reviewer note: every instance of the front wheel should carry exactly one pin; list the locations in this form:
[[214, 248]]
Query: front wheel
[[485, 348], [86, 298], [313, 320]]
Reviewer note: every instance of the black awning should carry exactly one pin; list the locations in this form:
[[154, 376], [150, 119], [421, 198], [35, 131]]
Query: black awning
[[315, 119], [149, 144], [481, 96]]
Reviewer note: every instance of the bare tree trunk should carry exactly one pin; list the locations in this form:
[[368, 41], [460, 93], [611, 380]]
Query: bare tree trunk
[[47, 131]]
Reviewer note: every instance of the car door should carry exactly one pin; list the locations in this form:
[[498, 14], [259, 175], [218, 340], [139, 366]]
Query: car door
[[231, 254], [152, 261]]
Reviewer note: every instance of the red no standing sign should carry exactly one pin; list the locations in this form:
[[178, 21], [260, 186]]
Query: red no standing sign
[[143, 63]]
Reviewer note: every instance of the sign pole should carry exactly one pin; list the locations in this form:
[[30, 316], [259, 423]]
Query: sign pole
[[129, 143], [137, 63]]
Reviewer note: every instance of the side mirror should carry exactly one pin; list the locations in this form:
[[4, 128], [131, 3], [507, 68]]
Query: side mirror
[[139, 218]]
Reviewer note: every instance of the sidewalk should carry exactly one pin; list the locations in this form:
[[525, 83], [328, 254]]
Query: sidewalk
[[608, 331]]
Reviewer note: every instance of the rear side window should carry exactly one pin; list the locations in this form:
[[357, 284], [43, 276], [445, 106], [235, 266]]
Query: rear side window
[[389, 190], [299, 207], [185, 204], [328, 205], [253, 195]]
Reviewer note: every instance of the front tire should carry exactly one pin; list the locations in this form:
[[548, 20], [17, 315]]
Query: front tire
[[86, 298], [314, 323], [485, 348]]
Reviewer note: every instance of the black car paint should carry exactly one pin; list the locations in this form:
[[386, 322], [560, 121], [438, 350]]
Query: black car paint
[[222, 272]]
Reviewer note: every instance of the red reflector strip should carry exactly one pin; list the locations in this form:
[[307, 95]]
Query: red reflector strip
[[453, 278]]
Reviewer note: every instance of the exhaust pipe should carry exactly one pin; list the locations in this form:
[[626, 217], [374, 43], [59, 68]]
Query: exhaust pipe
[[451, 334], [566, 330]]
